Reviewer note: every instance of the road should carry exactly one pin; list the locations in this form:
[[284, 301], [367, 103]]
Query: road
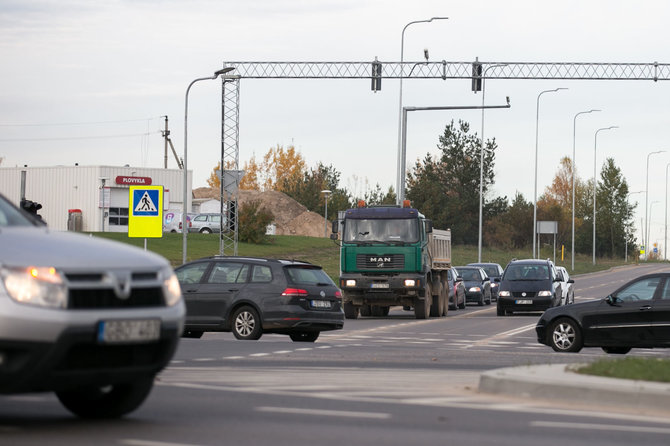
[[381, 381]]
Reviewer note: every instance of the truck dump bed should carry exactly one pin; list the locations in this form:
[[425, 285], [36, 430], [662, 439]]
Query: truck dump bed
[[439, 249]]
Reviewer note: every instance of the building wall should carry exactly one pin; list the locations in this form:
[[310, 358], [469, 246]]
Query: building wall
[[61, 188]]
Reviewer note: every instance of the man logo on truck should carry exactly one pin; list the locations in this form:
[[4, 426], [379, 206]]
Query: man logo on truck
[[380, 259]]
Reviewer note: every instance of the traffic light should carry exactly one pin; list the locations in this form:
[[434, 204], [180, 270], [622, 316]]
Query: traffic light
[[31, 207], [376, 75], [476, 76]]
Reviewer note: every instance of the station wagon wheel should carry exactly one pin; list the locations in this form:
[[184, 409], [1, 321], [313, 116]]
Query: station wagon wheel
[[246, 324], [565, 336], [206, 231], [304, 336]]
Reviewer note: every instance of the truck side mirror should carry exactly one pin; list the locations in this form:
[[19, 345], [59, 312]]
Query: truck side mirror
[[429, 226]]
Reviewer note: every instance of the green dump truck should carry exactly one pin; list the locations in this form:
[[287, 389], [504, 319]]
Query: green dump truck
[[392, 256]]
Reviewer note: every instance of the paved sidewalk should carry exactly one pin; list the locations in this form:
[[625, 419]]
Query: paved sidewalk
[[557, 382]]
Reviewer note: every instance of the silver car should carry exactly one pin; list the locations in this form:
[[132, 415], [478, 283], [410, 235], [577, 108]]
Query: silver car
[[206, 223], [92, 320]]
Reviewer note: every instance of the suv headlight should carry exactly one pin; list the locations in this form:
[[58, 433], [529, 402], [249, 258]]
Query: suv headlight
[[35, 285], [504, 294], [544, 293], [171, 288]]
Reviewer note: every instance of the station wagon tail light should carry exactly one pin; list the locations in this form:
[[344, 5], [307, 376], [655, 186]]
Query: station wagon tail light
[[294, 292]]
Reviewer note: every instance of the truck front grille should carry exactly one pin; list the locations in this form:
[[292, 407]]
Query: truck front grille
[[381, 261]]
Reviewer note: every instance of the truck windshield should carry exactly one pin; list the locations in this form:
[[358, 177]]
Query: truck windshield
[[404, 230]]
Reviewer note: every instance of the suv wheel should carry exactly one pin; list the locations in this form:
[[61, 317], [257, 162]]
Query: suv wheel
[[111, 401], [246, 324]]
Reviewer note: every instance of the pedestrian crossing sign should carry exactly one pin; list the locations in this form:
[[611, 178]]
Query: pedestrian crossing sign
[[145, 218]]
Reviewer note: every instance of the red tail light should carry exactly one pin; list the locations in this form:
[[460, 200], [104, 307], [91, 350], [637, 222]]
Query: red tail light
[[338, 294], [294, 292]]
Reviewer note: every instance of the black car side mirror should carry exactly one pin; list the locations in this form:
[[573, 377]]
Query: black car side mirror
[[496, 279], [571, 281]]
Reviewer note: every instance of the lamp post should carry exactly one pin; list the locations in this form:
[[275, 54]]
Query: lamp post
[[646, 248], [645, 239], [537, 121], [400, 180], [481, 164], [574, 133], [184, 227], [625, 238], [595, 145], [326, 193], [665, 243]]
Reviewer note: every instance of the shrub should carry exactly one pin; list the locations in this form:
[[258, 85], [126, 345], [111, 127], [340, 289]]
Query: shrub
[[252, 222]]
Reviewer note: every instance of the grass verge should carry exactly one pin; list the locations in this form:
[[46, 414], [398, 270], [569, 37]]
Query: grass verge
[[645, 369]]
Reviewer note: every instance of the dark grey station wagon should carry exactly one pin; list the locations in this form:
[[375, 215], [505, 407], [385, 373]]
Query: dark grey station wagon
[[251, 296]]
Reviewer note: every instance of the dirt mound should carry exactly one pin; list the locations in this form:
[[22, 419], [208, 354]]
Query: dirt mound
[[291, 217]]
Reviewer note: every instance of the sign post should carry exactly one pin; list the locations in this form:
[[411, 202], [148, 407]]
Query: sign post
[[145, 218]]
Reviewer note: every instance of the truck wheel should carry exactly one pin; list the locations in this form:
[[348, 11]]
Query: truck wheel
[[445, 298], [350, 311], [377, 311], [366, 310], [111, 401], [422, 306]]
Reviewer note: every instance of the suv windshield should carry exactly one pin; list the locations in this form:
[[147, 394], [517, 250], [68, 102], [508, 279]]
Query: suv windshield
[[404, 230], [11, 216], [527, 272]]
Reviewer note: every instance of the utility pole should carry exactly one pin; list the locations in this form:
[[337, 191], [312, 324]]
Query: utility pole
[[166, 135]]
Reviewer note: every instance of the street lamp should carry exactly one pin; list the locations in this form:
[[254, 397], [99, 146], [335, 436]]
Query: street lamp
[[646, 207], [665, 244], [184, 227], [646, 247], [400, 180], [574, 133], [537, 120], [326, 193], [595, 145], [625, 238], [481, 164]]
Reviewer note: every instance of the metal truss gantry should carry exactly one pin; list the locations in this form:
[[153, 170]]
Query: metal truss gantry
[[443, 70]]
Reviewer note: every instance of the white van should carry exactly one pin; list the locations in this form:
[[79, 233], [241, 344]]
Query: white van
[[172, 221]]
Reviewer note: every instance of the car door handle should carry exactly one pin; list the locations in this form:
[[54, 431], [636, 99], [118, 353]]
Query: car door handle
[[645, 308]]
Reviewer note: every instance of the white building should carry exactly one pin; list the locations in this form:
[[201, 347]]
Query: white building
[[67, 191]]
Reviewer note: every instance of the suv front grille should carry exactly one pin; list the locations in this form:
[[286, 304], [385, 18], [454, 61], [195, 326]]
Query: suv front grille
[[382, 261], [98, 290], [527, 294], [86, 299]]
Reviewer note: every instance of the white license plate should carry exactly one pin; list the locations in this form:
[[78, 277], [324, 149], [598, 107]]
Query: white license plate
[[320, 304], [119, 331], [523, 302], [379, 285]]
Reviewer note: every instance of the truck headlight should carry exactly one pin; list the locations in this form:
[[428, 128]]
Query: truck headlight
[[544, 293], [350, 283], [410, 283], [35, 285], [171, 288]]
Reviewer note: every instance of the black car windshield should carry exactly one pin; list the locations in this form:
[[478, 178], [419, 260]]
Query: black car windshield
[[526, 272], [405, 230], [11, 215], [300, 275], [469, 274]]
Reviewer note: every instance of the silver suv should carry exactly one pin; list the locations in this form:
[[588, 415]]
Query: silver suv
[[92, 320]]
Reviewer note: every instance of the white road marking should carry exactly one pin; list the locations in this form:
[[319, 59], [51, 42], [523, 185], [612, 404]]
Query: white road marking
[[135, 442], [601, 427], [328, 413]]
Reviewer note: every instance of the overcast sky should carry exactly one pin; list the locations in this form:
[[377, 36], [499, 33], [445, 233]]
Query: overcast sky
[[87, 81]]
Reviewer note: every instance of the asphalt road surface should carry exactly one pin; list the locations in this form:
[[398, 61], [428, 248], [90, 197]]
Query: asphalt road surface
[[379, 381]]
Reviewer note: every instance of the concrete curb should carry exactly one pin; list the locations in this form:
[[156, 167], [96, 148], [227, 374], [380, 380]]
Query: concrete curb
[[558, 382]]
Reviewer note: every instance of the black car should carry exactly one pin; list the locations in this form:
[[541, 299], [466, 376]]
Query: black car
[[456, 290], [252, 296], [495, 272], [477, 284], [637, 315], [529, 285]]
